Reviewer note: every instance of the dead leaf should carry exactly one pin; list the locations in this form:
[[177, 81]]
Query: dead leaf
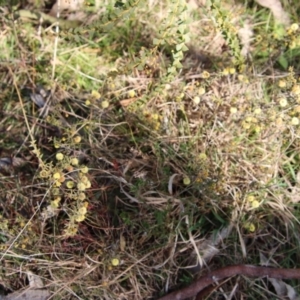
[[28, 295], [34, 280]]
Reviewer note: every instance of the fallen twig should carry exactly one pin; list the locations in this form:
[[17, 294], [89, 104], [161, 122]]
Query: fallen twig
[[219, 274]]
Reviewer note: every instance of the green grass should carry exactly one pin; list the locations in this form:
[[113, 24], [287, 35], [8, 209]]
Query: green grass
[[173, 159]]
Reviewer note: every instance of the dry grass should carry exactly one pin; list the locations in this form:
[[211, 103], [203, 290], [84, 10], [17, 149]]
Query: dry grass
[[186, 176]]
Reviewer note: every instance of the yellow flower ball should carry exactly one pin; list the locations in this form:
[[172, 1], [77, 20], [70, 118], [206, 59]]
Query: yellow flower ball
[[250, 198], [81, 196], [283, 102], [95, 94], [70, 184], [54, 204], [257, 111], [251, 227], [115, 262], [225, 72], [201, 91], [233, 110], [55, 191], [74, 161], [294, 27], [205, 75], [196, 100], [56, 175], [80, 218], [44, 174], [255, 204], [84, 169], [81, 186], [77, 139], [82, 210], [131, 93], [59, 156], [186, 181], [295, 121], [282, 83], [232, 70], [88, 184], [84, 179], [104, 104]]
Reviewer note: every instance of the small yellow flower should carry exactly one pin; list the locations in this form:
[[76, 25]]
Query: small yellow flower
[[104, 104], [88, 184], [295, 121], [77, 139], [131, 93], [155, 117], [82, 210], [59, 156], [55, 191], [44, 174], [250, 226], [294, 27], [243, 78], [115, 262], [81, 196], [168, 87], [257, 129], [196, 100], [95, 94], [186, 181], [257, 111], [87, 102], [232, 70], [81, 186], [249, 119], [79, 218], [201, 91], [84, 179], [57, 183], [282, 83], [84, 169], [74, 161], [255, 204], [54, 204], [205, 75], [70, 184], [233, 110], [246, 125], [56, 175], [283, 102], [202, 156], [250, 198], [225, 72]]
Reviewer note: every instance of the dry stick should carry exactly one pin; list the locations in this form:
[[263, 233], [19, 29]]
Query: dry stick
[[219, 274]]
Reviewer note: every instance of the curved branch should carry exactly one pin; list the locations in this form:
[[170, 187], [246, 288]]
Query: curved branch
[[219, 274]]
